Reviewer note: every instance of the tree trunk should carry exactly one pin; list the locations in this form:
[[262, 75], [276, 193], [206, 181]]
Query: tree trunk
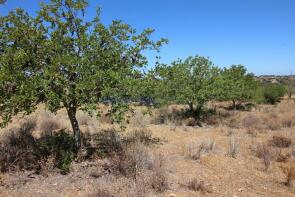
[[75, 126], [191, 106], [234, 104]]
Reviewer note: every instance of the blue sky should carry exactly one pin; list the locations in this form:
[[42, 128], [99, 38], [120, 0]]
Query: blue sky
[[259, 34]]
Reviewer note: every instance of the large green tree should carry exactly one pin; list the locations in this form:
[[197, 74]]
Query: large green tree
[[63, 60], [236, 84], [191, 82]]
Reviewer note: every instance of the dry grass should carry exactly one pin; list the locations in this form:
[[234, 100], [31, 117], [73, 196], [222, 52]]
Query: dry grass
[[127, 163], [289, 171], [233, 147]]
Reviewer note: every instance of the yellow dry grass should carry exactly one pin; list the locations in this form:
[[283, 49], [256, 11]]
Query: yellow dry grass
[[221, 174]]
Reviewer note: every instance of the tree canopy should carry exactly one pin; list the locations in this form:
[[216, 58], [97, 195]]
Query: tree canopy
[[192, 81], [64, 61], [236, 84]]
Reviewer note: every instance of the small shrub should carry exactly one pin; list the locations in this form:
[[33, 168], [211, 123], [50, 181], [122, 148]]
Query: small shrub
[[17, 148], [106, 143], [195, 151], [210, 145], [61, 146], [280, 142], [83, 119], [101, 193], [273, 93], [289, 172], [283, 157], [233, 148], [141, 135], [21, 151], [197, 185], [230, 132], [265, 153], [158, 178], [131, 160], [252, 133], [48, 125]]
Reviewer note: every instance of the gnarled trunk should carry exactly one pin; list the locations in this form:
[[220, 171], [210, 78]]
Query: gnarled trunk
[[234, 104], [75, 125]]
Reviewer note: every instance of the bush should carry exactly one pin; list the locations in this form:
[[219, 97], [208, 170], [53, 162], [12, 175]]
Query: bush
[[48, 125], [265, 153], [59, 145], [142, 136], [197, 185], [17, 147], [158, 178], [289, 172], [233, 148], [272, 93], [131, 160], [21, 151], [280, 142]]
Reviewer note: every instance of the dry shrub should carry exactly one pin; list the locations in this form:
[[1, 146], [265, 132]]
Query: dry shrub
[[141, 135], [118, 186], [140, 119], [105, 143], [266, 153], [132, 160], [17, 147], [252, 133], [196, 150], [191, 122], [83, 118], [106, 118], [289, 171], [280, 142], [46, 166], [252, 121], [213, 120], [169, 115], [230, 132], [233, 147], [48, 125], [287, 121], [281, 157], [21, 151], [158, 178], [199, 186]]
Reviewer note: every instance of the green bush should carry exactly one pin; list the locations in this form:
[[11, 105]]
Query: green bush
[[60, 145], [273, 93], [269, 93]]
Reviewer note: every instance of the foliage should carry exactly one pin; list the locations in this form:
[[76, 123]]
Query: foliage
[[63, 60], [191, 82], [21, 151], [60, 145], [236, 84], [272, 93]]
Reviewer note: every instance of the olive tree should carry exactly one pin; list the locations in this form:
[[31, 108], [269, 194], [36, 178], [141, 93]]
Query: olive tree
[[64, 61], [191, 82], [236, 84]]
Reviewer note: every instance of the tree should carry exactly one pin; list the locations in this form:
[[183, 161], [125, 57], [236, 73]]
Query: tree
[[64, 61], [192, 81], [236, 84]]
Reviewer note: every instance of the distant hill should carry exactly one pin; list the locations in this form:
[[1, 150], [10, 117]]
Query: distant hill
[[279, 79]]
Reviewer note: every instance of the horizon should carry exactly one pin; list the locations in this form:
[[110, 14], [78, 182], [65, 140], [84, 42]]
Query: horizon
[[258, 35]]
